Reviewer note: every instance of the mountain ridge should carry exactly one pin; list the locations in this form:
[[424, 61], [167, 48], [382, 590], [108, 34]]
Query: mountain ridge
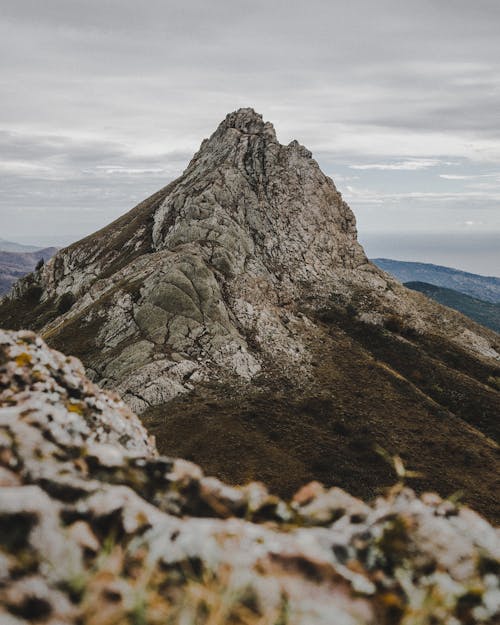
[[486, 288], [236, 311], [12, 246], [485, 313]]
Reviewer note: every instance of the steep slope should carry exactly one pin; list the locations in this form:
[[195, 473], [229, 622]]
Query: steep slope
[[485, 313], [97, 528], [15, 265], [236, 311], [486, 288]]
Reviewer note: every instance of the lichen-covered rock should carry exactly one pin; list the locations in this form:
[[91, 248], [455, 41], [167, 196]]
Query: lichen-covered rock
[[96, 528]]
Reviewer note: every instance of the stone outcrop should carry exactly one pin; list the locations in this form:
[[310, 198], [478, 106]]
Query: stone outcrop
[[97, 528]]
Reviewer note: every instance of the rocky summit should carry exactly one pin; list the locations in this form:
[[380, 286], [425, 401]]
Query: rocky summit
[[235, 311], [97, 528]]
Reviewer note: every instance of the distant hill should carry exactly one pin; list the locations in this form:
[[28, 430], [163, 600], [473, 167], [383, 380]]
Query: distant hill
[[15, 265], [10, 246], [485, 313], [486, 288]]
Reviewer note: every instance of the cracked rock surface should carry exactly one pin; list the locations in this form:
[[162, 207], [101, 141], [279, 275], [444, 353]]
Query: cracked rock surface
[[97, 528]]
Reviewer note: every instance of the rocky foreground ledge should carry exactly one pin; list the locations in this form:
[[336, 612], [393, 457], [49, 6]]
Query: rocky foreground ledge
[[96, 528]]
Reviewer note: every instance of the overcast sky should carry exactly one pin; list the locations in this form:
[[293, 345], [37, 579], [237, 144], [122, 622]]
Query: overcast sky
[[102, 102]]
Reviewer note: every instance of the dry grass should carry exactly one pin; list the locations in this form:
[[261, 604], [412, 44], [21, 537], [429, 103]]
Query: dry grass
[[370, 388], [118, 593]]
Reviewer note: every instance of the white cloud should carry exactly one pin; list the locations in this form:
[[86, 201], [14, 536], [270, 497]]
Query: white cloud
[[470, 222], [370, 196], [407, 165], [455, 177], [468, 176]]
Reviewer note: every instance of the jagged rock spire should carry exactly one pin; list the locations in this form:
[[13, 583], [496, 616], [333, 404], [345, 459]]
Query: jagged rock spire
[[263, 203], [247, 121]]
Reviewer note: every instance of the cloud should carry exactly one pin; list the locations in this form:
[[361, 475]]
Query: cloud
[[456, 177], [104, 101], [370, 196], [409, 165], [468, 176]]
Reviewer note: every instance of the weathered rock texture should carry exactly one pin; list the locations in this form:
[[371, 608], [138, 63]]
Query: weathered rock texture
[[241, 288], [97, 529]]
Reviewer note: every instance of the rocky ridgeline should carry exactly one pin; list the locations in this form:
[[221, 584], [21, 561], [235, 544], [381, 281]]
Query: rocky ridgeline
[[96, 528]]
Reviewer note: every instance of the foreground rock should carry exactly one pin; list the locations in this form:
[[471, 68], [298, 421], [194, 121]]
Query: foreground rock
[[96, 528]]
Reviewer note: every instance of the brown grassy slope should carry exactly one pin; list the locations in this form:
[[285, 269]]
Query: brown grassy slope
[[116, 235], [362, 396], [28, 311]]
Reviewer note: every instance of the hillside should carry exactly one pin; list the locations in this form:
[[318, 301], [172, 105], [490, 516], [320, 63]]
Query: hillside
[[486, 288], [485, 313], [236, 312]]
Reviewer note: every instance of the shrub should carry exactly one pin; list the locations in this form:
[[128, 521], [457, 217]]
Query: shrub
[[65, 302], [33, 294], [394, 323], [494, 381]]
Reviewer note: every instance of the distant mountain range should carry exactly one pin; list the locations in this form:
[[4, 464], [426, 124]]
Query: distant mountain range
[[486, 288], [485, 313], [16, 264], [10, 246]]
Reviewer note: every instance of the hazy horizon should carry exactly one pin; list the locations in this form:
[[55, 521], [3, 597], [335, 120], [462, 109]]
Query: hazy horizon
[[475, 254], [104, 102]]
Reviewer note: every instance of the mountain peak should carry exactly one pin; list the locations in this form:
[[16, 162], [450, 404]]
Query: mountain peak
[[247, 121], [242, 132], [260, 204]]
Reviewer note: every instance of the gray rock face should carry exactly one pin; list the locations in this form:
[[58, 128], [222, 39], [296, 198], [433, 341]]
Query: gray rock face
[[207, 280], [96, 528]]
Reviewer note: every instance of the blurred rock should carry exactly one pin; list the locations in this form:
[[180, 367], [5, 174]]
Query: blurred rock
[[96, 528]]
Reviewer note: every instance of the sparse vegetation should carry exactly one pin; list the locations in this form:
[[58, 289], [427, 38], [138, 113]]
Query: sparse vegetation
[[485, 313], [110, 595], [494, 381], [65, 302], [33, 294]]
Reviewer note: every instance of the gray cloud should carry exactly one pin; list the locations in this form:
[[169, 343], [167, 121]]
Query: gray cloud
[[104, 101]]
